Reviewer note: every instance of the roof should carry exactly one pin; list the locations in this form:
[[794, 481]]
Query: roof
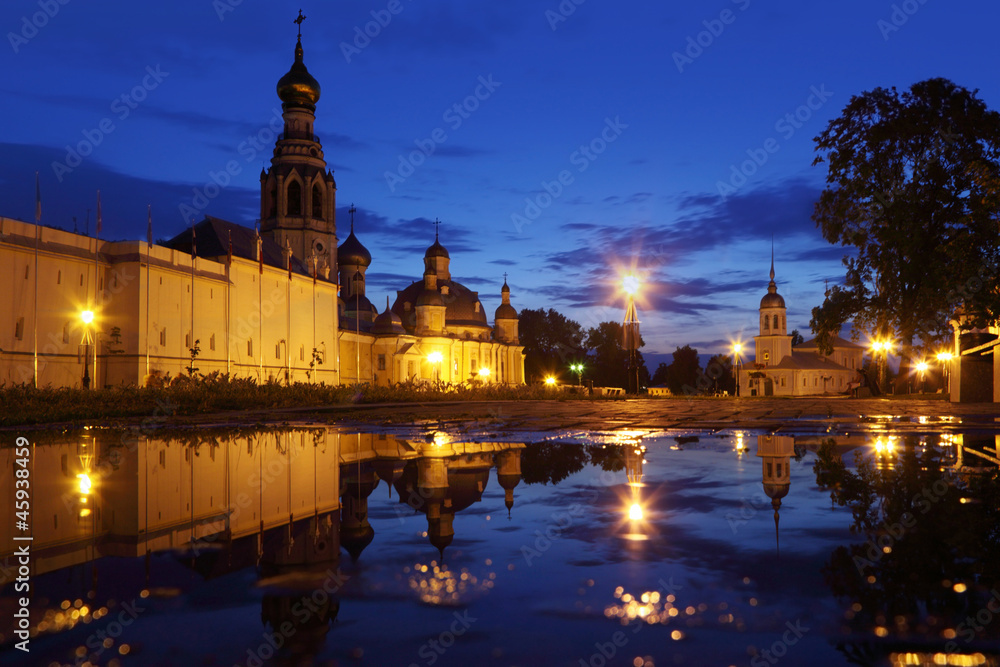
[[838, 344], [807, 361], [353, 252], [212, 241], [460, 301]]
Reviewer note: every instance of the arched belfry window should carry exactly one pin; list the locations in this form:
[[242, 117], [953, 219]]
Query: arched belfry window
[[294, 198], [766, 322], [317, 202], [775, 326], [272, 207]]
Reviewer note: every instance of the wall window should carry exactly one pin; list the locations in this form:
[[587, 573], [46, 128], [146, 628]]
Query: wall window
[[19, 329], [66, 333], [250, 347], [767, 321], [27, 271], [803, 382], [381, 362], [775, 322], [294, 198], [58, 277], [409, 369], [211, 342], [782, 380], [163, 336], [187, 340], [277, 350], [302, 352], [317, 203]]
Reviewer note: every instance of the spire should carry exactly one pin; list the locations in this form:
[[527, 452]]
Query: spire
[[352, 211], [772, 258], [437, 226]]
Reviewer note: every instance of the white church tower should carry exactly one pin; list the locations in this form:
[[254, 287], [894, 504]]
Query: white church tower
[[773, 343]]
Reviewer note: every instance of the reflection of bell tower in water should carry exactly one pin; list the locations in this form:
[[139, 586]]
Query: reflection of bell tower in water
[[357, 482], [775, 452], [297, 202]]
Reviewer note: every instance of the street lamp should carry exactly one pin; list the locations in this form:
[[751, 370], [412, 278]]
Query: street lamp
[[436, 358], [921, 368], [631, 285], [880, 353], [484, 373], [87, 317], [737, 348], [578, 369], [550, 381], [945, 359]]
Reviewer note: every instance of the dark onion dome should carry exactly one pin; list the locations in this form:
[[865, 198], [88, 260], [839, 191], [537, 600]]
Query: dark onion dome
[[429, 297], [388, 322], [776, 492], [461, 303], [354, 539], [359, 303], [437, 250], [505, 311], [772, 299], [352, 253], [298, 87]]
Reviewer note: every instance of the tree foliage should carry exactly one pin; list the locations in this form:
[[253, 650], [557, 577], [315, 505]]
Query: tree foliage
[[912, 185], [609, 358], [684, 370], [551, 342]]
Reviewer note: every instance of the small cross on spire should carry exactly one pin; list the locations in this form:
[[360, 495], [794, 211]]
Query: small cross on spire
[[352, 211], [299, 21], [437, 227], [505, 277]]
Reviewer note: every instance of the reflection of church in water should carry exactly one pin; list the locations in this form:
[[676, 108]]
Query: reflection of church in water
[[281, 501]]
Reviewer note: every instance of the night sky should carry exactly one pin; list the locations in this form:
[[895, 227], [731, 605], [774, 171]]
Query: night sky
[[558, 142]]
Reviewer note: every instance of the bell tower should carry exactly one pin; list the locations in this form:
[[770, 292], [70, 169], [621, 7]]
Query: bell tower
[[298, 193], [773, 343]]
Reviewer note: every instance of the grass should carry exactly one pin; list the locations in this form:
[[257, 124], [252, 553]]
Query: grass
[[205, 394]]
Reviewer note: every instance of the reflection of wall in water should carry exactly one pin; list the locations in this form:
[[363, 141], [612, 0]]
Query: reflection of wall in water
[[160, 493]]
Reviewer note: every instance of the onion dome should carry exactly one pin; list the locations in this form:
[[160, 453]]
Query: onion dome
[[776, 491], [298, 87], [388, 322], [437, 250], [772, 299], [352, 253], [505, 311], [429, 297]]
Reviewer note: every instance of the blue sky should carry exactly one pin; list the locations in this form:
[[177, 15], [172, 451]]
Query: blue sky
[[588, 136]]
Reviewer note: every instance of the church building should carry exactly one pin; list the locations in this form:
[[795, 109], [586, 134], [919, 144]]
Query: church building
[[778, 369], [276, 302]]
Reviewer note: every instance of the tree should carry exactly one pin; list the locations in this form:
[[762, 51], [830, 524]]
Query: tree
[[797, 338], [551, 342], [660, 374], [912, 184], [720, 370], [684, 370], [609, 363]]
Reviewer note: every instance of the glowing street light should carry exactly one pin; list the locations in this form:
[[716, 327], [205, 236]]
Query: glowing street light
[[630, 284], [635, 512], [484, 373], [550, 381], [436, 358], [945, 359], [921, 368], [737, 348], [578, 369], [87, 317]]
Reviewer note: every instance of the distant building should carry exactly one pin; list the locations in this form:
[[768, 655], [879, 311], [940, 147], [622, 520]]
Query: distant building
[[252, 302], [778, 369]]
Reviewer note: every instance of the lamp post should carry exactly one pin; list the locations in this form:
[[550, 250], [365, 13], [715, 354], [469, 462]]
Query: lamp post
[[87, 317], [631, 285], [435, 358], [578, 369], [921, 367], [737, 348], [484, 374], [945, 359], [880, 354]]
